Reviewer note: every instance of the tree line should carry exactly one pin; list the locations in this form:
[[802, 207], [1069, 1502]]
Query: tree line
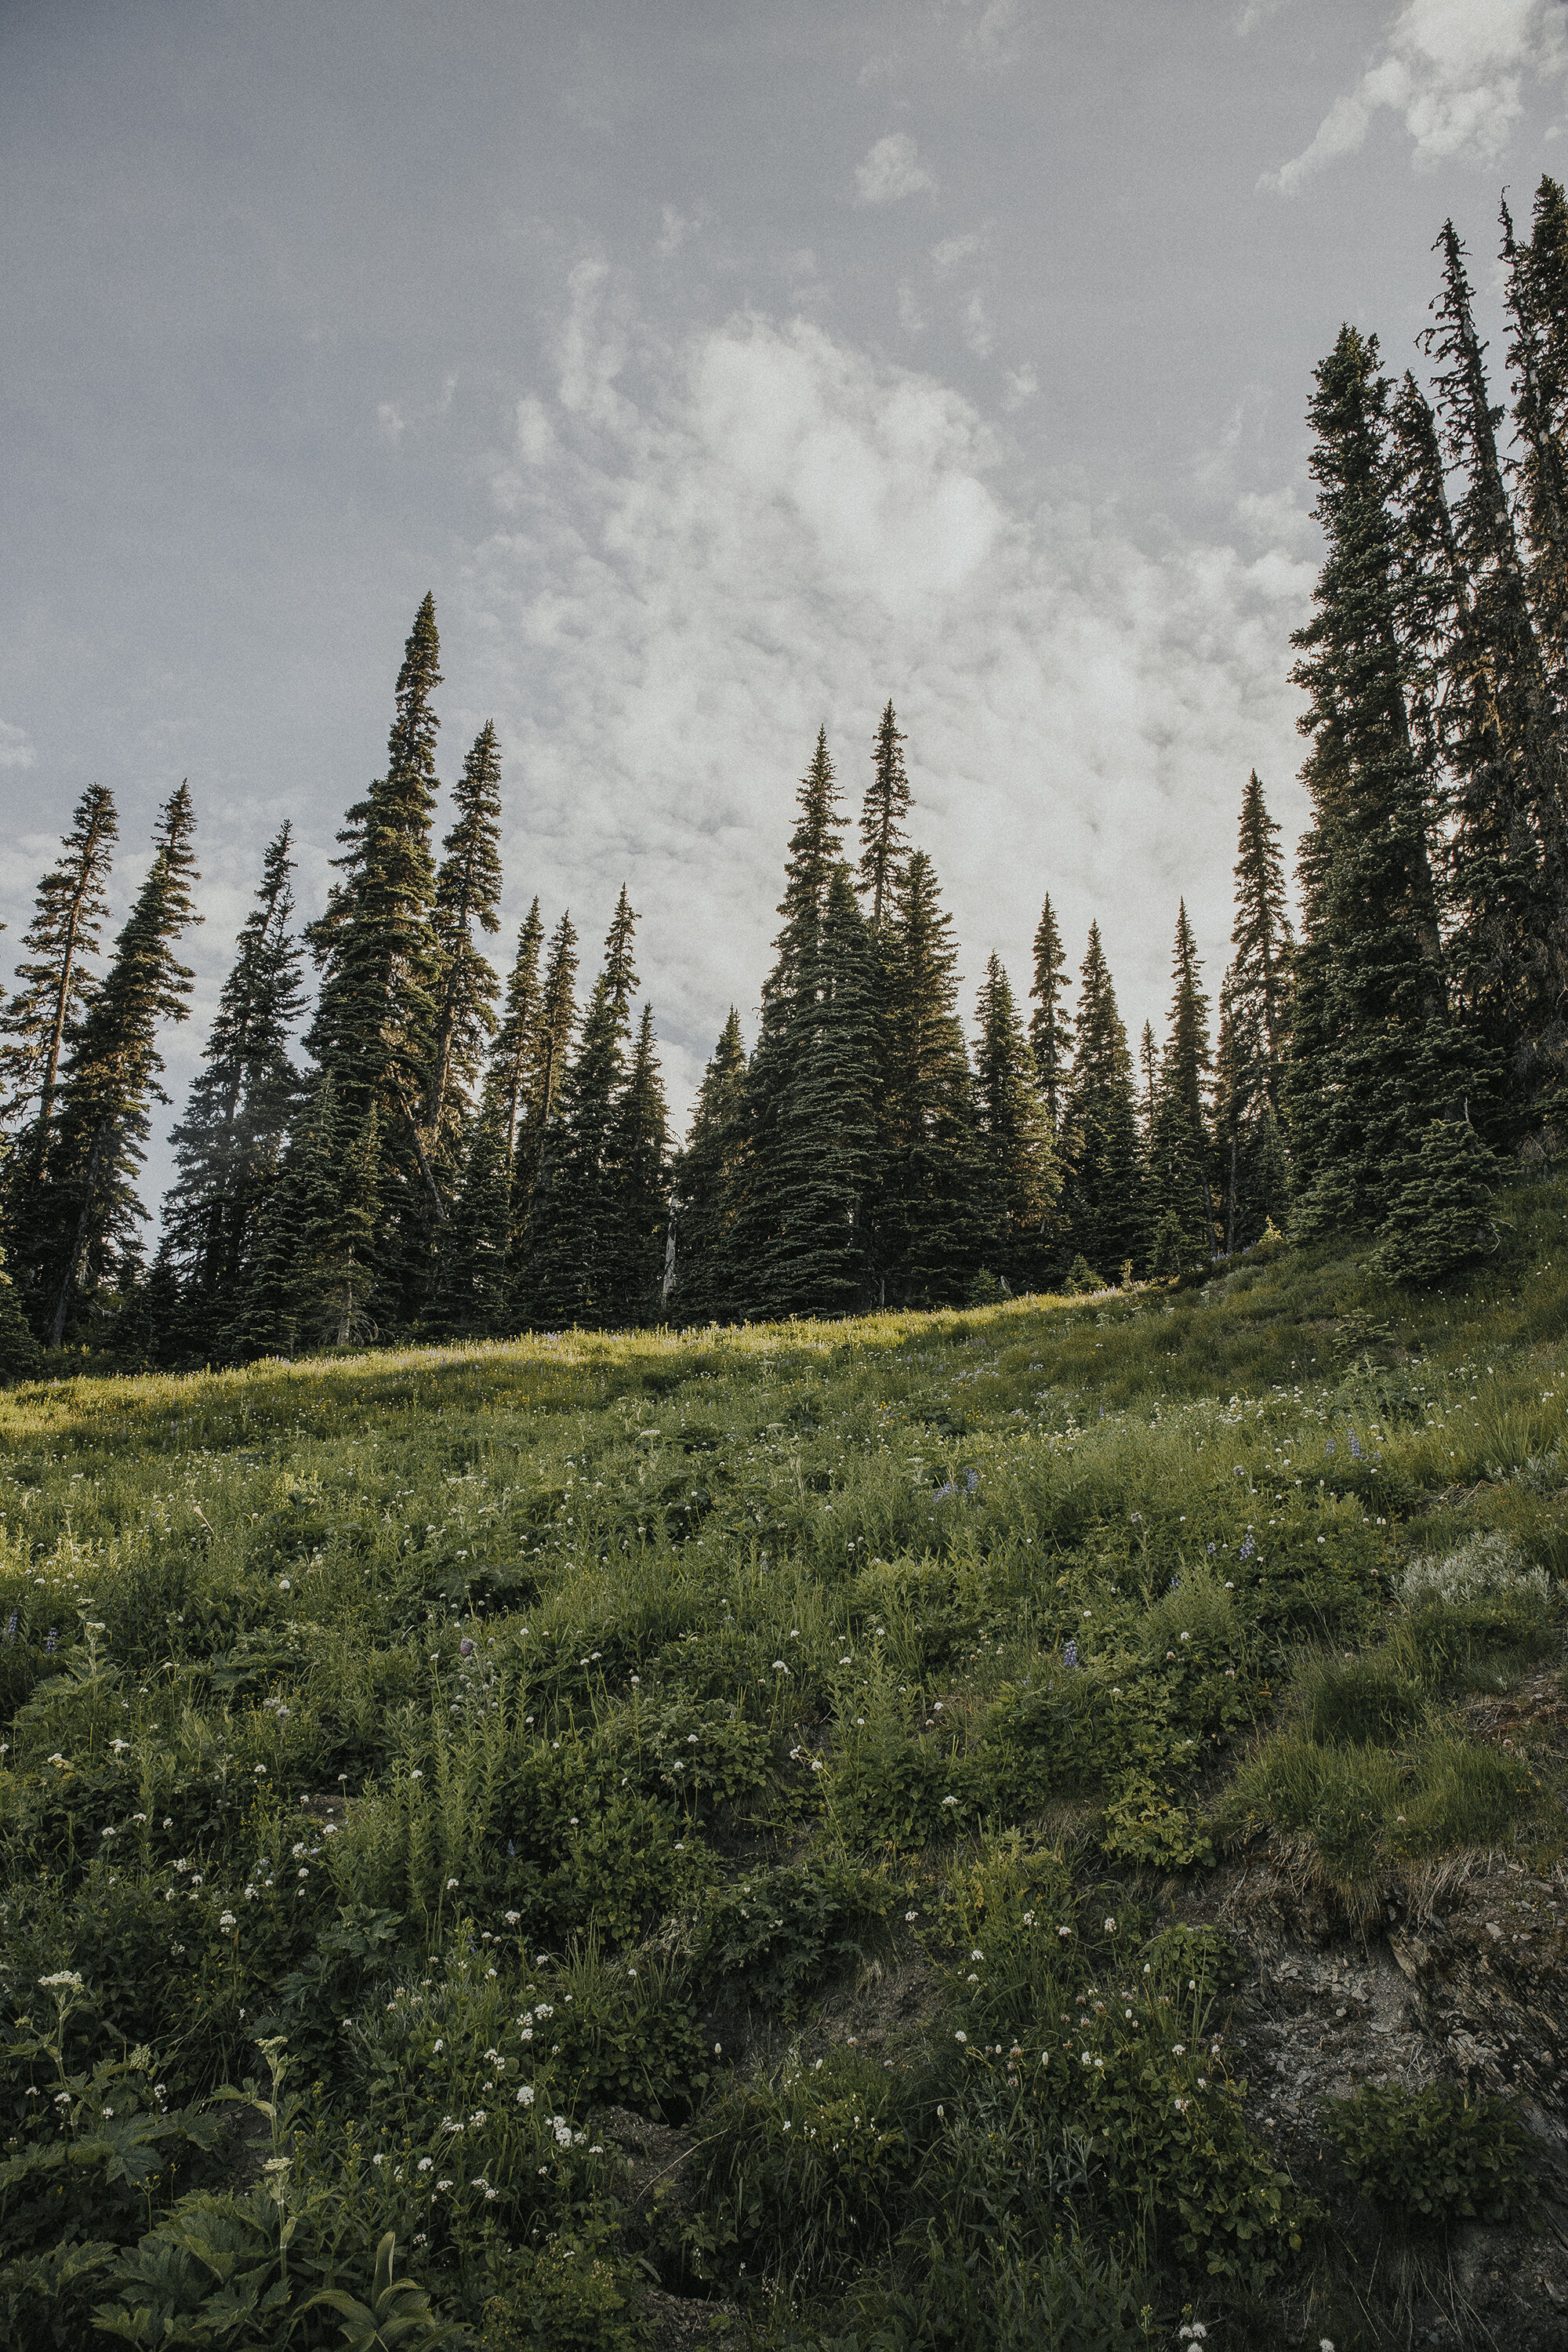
[[408, 1148]]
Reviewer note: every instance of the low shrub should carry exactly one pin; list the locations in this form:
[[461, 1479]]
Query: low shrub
[[1432, 2157]]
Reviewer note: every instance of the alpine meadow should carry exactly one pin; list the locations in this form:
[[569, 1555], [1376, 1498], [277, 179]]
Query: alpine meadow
[[935, 1718]]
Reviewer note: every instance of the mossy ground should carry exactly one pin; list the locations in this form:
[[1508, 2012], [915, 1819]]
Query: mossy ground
[[802, 1748]]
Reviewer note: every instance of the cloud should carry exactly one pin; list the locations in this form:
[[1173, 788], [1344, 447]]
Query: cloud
[[15, 747], [677, 227], [912, 318], [1255, 13], [1453, 71], [779, 530], [1023, 385], [988, 30], [947, 255], [389, 424], [892, 169]]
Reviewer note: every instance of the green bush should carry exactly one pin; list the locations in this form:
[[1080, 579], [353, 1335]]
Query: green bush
[[1435, 2156], [775, 1935], [1358, 1699]]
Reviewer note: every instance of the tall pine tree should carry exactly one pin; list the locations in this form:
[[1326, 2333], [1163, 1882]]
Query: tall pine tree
[[883, 842], [55, 983], [1104, 1192], [85, 1238], [228, 1148], [707, 1183], [1023, 1184], [1050, 1032], [1375, 1052], [468, 893], [373, 1030], [515, 1046], [930, 1226], [1180, 1153]]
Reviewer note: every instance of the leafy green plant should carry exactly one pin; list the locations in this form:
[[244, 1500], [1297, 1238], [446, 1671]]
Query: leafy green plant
[[1435, 2155], [397, 2317]]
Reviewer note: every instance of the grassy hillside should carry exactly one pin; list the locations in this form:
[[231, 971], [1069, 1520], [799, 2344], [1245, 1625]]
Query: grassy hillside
[[741, 1830]]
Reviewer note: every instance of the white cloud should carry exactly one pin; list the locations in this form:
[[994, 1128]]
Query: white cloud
[[988, 31], [389, 424], [977, 331], [1023, 385], [946, 255], [1453, 71], [1256, 12], [15, 747], [780, 529], [677, 227], [892, 169], [912, 318]]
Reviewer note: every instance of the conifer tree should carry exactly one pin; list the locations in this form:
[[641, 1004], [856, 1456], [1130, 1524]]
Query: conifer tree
[[1375, 1055], [883, 843], [929, 1220], [573, 1261], [84, 1234], [1179, 1147], [812, 1255], [1050, 1032], [706, 1180], [228, 1148], [515, 1047], [20, 1354], [375, 1026], [551, 1047], [55, 983], [1103, 1192], [468, 893], [620, 970], [473, 1279], [815, 847], [1537, 297], [1499, 644], [640, 1153], [1023, 1182], [1441, 1217], [1149, 1074], [312, 1273]]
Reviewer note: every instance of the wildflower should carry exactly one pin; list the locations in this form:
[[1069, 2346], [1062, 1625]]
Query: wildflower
[[960, 2035], [1069, 1655], [228, 1920], [451, 1885], [1110, 1927], [62, 1981], [465, 1649], [911, 1915], [525, 2096]]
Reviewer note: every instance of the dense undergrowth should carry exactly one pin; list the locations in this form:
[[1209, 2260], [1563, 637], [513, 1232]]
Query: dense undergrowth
[[413, 1763]]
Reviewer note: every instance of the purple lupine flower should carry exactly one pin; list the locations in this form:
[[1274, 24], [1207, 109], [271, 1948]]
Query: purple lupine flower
[[1175, 1585], [1248, 1546], [1069, 1655], [1355, 1447], [943, 1492], [1213, 1548], [50, 1638], [1331, 1446], [11, 1626], [972, 1479], [465, 1648]]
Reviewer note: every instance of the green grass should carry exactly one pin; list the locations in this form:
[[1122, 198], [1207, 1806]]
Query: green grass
[[672, 1692]]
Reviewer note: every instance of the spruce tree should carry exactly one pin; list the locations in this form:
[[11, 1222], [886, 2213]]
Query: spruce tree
[[472, 1266], [1023, 1184], [815, 848], [640, 1154], [229, 1146], [1103, 1191], [1527, 789], [553, 1030], [85, 1235], [1180, 1153], [620, 970], [54, 984], [929, 1218], [706, 1183], [883, 813], [812, 1256], [1050, 1032], [1376, 1054], [573, 1258], [1537, 297], [468, 893], [1256, 1000], [1149, 1073], [20, 1355], [1441, 1217], [311, 1274], [515, 1046], [373, 1030]]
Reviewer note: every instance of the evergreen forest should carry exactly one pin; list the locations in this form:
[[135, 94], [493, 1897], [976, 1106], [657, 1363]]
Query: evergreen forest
[[396, 1134]]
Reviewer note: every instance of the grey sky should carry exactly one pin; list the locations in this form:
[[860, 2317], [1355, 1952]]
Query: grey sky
[[723, 369]]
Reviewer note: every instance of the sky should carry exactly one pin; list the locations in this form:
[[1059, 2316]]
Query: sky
[[724, 368]]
